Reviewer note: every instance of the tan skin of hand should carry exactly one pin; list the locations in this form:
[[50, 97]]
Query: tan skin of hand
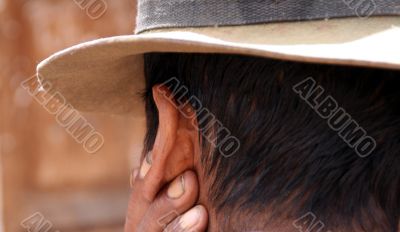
[[165, 190]]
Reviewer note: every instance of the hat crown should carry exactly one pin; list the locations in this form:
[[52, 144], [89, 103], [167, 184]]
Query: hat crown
[[154, 14]]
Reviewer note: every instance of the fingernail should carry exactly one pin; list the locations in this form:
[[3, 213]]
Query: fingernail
[[149, 158], [134, 173], [190, 218], [145, 165], [177, 188]]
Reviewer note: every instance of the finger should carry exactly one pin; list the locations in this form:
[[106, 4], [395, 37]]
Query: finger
[[133, 176], [138, 203], [194, 220], [180, 195]]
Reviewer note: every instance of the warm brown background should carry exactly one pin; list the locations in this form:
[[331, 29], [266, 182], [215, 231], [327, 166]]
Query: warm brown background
[[42, 168]]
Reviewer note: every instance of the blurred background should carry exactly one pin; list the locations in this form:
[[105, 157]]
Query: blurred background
[[43, 170]]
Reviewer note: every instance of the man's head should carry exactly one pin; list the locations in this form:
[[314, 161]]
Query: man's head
[[289, 161]]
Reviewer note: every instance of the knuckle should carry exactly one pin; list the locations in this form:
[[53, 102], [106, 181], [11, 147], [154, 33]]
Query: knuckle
[[165, 219], [173, 226]]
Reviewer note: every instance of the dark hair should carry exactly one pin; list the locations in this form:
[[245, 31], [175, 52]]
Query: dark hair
[[290, 162]]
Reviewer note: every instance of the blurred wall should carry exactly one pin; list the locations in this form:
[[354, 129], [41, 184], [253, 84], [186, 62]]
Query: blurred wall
[[43, 169]]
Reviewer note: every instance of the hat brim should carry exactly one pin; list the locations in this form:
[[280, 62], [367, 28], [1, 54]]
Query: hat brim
[[106, 75]]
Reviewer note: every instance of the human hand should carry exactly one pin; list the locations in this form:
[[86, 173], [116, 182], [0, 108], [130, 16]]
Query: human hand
[[172, 209]]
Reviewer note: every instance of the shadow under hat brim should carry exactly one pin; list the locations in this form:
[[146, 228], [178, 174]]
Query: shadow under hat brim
[[106, 75]]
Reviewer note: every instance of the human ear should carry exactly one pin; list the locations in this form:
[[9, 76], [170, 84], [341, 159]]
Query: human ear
[[175, 143]]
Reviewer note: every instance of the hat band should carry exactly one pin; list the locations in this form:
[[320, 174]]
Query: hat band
[[153, 14]]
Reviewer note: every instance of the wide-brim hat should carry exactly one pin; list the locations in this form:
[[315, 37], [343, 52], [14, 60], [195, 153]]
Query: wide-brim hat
[[106, 75]]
